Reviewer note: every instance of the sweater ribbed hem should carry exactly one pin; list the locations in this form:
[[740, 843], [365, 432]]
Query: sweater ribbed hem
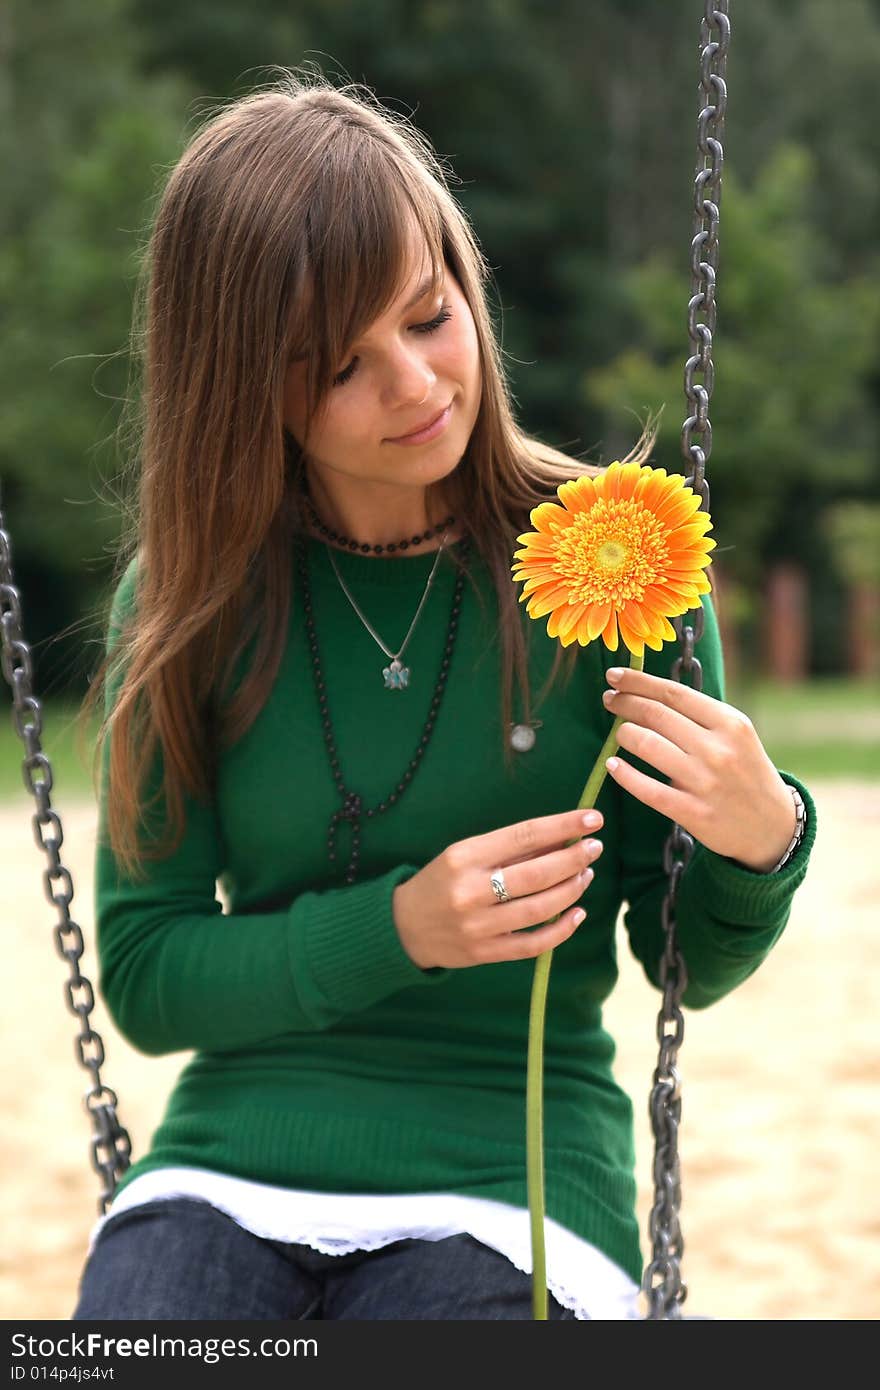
[[352, 946], [320, 1152]]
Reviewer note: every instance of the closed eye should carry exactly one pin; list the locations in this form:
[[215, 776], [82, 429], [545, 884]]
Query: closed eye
[[430, 327]]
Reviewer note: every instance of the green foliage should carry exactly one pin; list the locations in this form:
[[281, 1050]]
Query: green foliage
[[854, 531], [794, 355], [89, 132]]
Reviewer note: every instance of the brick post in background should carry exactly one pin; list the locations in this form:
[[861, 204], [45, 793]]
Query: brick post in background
[[863, 607], [786, 627]]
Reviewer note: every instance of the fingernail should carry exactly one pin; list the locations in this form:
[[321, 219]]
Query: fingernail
[[592, 820], [586, 875], [579, 916], [614, 674], [612, 764]]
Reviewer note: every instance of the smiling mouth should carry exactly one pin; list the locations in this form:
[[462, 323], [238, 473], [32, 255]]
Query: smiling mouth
[[426, 429]]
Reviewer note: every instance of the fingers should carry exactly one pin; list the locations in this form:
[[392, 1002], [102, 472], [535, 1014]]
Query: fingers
[[547, 868], [537, 874], [671, 802], [660, 753], [669, 723], [526, 945], [534, 909], [692, 704], [512, 843]]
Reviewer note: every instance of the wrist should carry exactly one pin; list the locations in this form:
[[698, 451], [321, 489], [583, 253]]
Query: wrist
[[782, 852], [399, 915]]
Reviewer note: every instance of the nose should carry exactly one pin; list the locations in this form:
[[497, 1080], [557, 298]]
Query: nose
[[410, 378]]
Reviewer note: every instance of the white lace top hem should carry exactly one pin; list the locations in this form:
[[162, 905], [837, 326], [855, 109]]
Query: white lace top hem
[[579, 1276]]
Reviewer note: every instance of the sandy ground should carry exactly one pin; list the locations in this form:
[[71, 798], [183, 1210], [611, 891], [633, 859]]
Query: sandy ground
[[781, 1121]]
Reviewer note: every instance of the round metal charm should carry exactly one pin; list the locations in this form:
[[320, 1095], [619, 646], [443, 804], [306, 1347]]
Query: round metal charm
[[522, 737]]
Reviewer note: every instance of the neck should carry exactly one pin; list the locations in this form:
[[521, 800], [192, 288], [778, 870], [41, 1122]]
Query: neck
[[378, 518]]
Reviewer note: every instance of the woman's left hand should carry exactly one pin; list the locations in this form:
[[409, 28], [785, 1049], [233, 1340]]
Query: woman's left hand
[[723, 790]]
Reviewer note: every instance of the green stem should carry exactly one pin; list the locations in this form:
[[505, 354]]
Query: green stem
[[535, 1061]]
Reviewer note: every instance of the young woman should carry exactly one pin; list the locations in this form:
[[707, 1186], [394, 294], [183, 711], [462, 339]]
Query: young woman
[[322, 694]]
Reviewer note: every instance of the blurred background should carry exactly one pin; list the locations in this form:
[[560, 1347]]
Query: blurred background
[[571, 132]]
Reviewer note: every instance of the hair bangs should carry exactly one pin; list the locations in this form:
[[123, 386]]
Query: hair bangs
[[367, 235]]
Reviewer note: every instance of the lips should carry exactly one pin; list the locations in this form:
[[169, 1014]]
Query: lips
[[425, 424]]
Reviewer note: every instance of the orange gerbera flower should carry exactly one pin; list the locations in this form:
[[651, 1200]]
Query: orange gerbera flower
[[624, 553]]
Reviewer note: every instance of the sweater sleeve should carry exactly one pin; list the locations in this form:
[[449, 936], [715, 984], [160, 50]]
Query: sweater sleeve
[[727, 916], [177, 973]]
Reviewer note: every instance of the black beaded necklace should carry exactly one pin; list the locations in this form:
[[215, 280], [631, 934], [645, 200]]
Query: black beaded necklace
[[367, 549], [353, 809]]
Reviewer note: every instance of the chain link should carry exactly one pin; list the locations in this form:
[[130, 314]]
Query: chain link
[[662, 1281], [110, 1147]]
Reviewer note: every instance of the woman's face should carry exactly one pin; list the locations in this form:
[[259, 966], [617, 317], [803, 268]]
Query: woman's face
[[413, 363]]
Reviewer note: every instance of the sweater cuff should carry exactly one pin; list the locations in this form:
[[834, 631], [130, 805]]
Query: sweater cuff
[[353, 953], [744, 896]]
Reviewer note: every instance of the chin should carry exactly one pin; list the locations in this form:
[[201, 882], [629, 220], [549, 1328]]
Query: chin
[[434, 470]]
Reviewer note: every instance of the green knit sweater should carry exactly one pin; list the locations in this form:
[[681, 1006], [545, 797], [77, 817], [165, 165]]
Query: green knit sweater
[[324, 1058]]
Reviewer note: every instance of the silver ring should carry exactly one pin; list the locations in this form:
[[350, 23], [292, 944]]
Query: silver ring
[[499, 887]]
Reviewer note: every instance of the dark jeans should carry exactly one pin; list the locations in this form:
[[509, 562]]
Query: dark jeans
[[181, 1258]]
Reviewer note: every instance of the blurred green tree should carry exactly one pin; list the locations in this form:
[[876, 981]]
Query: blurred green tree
[[794, 417], [84, 135]]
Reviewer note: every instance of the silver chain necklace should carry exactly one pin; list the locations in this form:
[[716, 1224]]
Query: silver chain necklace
[[396, 675]]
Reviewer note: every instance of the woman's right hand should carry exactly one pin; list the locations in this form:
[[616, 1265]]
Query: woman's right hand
[[447, 913]]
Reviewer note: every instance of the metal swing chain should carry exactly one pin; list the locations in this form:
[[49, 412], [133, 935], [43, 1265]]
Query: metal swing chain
[[662, 1282], [110, 1147]]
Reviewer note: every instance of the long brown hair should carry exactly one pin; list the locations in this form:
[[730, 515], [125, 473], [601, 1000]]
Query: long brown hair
[[280, 233]]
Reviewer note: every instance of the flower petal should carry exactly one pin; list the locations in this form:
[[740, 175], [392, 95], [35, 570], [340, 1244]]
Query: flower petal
[[579, 495], [609, 635], [546, 517], [651, 488], [597, 615], [676, 510], [543, 603], [629, 637]]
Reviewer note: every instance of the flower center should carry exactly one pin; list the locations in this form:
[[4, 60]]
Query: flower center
[[613, 552]]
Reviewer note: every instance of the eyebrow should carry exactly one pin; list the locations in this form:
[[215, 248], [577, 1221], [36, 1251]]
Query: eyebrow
[[421, 291]]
